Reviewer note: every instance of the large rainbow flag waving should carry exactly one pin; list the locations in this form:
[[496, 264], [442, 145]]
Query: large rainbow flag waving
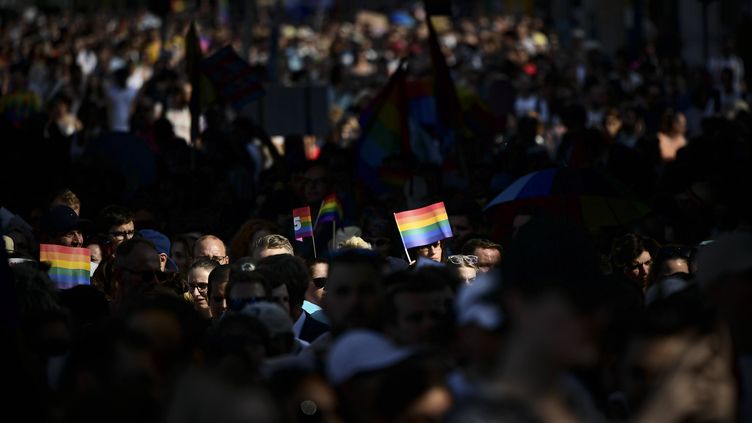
[[70, 265], [423, 226]]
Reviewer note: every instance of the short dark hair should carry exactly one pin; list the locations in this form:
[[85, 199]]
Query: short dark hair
[[218, 275], [472, 244], [551, 255], [288, 270], [126, 248], [237, 278], [113, 215], [628, 247]]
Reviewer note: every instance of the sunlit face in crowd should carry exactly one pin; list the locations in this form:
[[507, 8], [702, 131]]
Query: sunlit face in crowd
[[488, 258], [211, 248], [315, 293], [120, 233], [431, 251], [467, 274], [198, 283], [95, 252]]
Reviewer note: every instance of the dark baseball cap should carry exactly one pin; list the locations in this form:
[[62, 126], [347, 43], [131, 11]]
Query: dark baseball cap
[[162, 243], [60, 218]]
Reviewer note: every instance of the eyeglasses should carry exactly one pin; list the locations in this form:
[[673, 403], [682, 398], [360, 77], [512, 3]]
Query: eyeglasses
[[215, 258], [470, 260], [202, 287], [319, 282], [237, 304], [122, 234], [144, 275]]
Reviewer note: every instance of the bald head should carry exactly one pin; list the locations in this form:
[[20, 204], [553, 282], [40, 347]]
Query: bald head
[[211, 247]]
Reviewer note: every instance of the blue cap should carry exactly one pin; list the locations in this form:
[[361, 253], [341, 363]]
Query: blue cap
[[162, 243]]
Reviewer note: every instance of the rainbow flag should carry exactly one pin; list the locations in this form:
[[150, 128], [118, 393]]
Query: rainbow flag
[[70, 265], [301, 221], [330, 211], [385, 131], [423, 226]]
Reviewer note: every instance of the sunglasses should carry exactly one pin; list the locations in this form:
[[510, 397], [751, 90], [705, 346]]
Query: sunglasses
[[470, 260], [237, 304], [319, 282]]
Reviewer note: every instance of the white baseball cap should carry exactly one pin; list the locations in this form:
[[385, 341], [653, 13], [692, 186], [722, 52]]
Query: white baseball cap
[[361, 350]]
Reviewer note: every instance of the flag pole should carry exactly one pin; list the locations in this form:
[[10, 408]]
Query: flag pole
[[409, 260], [334, 234], [313, 240]]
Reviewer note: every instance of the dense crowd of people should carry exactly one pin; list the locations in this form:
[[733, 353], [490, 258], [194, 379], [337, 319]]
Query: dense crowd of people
[[201, 305]]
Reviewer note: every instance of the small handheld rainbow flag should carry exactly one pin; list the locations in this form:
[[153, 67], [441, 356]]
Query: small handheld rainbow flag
[[423, 226], [70, 265], [301, 221], [330, 211]]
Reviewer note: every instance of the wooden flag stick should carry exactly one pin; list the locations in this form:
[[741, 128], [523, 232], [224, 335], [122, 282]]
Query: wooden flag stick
[[313, 240]]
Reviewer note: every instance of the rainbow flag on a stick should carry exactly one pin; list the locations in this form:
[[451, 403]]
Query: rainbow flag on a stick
[[70, 265], [330, 211], [301, 220], [423, 226]]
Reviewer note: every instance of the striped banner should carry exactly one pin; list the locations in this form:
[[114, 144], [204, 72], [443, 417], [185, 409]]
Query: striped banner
[[423, 226], [70, 266]]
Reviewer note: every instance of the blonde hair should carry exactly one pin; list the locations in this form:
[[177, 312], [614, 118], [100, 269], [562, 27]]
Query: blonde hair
[[354, 242]]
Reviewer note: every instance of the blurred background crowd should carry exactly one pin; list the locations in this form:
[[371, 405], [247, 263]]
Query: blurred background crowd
[[599, 268]]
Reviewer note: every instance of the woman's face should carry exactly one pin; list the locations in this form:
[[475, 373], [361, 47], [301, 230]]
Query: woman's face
[[639, 268]]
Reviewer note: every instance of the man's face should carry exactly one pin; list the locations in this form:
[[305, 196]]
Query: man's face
[[432, 251], [217, 302], [211, 248], [488, 258], [72, 238], [460, 226], [315, 294], [120, 233], [353, 297], [281, 297], [419, 317], [137, 272]]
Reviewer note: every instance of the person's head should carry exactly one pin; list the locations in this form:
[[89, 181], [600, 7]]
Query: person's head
[[115, 223], [673, 122], [355, 242], [211, 247], [60, 225], [245, 288], [488, 253], [724, 271], [464, 217], [136, 270], [66, 197], [552, 291], [670, 260], [181, 251], [318, 269], [288, 278], [317, 184], [416, 312], [354, 295], [218, 279], [277, 322], [244, 241], [198, 277], [630, 254], [162, 244], [465, 266], [272, 244], [679, 346], [433, 251]]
